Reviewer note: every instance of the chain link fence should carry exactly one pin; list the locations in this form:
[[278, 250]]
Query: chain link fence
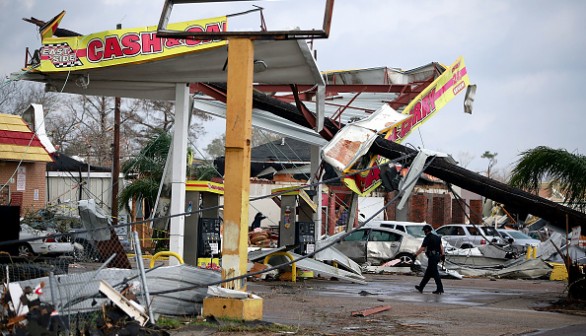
[[57, 267]]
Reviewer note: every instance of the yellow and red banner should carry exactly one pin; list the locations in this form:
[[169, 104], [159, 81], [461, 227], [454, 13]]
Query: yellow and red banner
[[121, 46], [206, 186], [434, 97]]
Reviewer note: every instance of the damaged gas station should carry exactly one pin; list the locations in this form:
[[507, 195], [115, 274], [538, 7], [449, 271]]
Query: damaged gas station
[[353, 123]]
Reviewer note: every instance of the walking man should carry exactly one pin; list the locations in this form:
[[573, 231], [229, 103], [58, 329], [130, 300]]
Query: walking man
[[434, 250]]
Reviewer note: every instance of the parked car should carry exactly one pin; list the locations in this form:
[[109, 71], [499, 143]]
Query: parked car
[[519, 240], [378, 245], [46, 244], [412, 228], [469, 235]]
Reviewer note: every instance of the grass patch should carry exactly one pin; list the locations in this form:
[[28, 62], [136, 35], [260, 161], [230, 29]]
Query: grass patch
[[253, 326], [223, 325], [169, 323]]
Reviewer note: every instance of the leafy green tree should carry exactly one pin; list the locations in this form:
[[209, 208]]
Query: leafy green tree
[[146, 171], [564, 169]]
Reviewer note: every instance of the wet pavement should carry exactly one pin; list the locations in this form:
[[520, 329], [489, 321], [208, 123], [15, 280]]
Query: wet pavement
[[470, 306]]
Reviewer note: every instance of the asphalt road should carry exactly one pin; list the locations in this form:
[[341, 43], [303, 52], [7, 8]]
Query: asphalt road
[[470, 306]]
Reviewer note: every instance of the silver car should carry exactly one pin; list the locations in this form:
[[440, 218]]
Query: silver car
[[412, 228], [379, 245], [46, 244], [469, 235], [519, 240]]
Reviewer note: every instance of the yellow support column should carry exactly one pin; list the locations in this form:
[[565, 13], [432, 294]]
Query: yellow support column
[[237, 184]]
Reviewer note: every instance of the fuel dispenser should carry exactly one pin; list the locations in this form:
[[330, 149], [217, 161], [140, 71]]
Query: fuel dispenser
[[297, 228], [202, 245]]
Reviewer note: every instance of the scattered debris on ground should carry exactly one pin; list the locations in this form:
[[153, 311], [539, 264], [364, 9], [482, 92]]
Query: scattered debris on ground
[[370, 311]]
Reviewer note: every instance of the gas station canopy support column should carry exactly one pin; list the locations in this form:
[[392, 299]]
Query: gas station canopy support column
[[237, 185], [236, 179]]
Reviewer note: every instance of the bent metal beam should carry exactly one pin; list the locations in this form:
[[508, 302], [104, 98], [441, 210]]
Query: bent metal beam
[[556, 214]]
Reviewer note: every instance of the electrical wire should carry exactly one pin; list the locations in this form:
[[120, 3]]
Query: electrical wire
[[58, 235], [326, 246]]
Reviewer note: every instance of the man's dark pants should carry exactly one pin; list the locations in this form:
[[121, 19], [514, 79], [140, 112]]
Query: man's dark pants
[[432, 272]]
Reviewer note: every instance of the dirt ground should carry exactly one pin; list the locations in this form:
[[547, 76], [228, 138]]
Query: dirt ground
[[472, 306]]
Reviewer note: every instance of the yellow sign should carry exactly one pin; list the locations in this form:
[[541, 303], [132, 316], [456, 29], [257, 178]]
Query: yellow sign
[[206, 186], [443, 89], [121, 46]]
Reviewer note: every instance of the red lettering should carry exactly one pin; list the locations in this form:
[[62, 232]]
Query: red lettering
[[405, 127], [215, 27], [151, 43], [416, 111], [195, 29], [95, 50], [131, 44], [428, 104], [112, 48], [172, 42]]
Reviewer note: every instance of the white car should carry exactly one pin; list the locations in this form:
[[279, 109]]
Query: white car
[[412, 228], [467, 236], [377, 245], [520, 240], [46, 244]]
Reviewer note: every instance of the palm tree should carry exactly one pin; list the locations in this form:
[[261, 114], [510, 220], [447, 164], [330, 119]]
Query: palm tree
[[564, 169], [147, 168], [146, 171]]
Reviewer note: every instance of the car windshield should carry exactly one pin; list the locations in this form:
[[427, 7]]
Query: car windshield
[[490, 231], [415, 230], [518, 235]]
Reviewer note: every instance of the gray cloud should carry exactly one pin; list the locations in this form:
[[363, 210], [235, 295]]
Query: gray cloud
[[526, 57]]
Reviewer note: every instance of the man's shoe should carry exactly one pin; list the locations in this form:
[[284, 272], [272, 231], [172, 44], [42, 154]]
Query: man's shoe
[[419, 289], [438, 292]]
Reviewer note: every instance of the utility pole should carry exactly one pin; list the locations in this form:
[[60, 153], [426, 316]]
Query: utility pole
[[116, 156]]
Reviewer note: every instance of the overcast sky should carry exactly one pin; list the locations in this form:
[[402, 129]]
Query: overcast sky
[[528, 57]]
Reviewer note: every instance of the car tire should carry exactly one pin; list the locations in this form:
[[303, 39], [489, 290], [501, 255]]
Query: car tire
[[406, 258], [25, 250]]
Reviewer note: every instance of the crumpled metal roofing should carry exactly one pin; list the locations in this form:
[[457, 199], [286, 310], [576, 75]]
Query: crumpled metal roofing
[[78, 292]]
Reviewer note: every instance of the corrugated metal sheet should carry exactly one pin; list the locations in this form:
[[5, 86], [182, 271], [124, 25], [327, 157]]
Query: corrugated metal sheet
[[319, 268], [78, 293]]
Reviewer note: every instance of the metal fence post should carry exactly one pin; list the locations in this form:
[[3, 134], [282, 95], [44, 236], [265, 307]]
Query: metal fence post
[[140, 264]]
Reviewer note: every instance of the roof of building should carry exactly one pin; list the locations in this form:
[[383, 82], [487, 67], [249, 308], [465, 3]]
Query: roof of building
[[19, 143], [286, 150], [63, 162]]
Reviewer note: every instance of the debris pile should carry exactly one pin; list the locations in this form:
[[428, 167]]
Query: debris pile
[[262, 238], [23, 313], [26, 313]]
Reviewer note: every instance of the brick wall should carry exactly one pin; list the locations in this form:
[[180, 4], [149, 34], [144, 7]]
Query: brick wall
[[430, 206], [35, 181], [476, 211], [391, 210], [458, 213], [417, 208], [441, 210]]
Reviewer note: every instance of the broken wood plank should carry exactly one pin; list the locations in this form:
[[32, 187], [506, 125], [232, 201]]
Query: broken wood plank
[[370, 311]]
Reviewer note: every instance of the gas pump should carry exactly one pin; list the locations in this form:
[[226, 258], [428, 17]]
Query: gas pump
[[202, 246], [297, 228]]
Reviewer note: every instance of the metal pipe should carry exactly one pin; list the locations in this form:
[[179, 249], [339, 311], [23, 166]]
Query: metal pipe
[[140, 264]]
